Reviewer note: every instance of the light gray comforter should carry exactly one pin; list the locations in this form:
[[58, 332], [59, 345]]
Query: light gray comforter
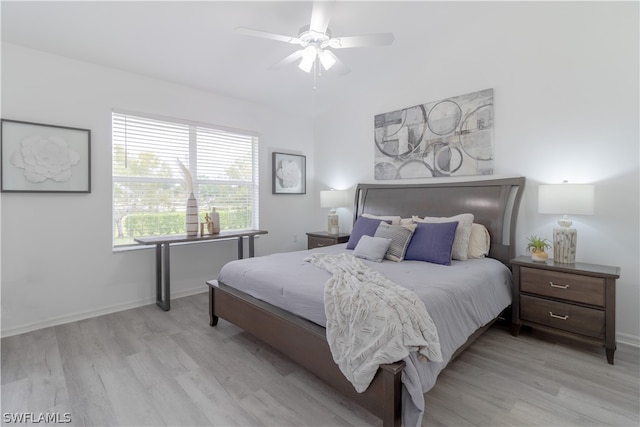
[[460, 298]]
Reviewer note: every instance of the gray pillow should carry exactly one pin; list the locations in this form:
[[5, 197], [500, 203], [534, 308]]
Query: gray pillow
[[371, 248], [400, 237]]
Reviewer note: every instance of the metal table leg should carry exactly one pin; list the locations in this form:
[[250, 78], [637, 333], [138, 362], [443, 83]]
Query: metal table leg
[[240, 248], [251, 246], [163, 276]]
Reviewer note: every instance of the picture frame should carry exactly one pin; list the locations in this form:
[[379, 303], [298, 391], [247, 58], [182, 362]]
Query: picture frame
[[42, 158], [289, 173]]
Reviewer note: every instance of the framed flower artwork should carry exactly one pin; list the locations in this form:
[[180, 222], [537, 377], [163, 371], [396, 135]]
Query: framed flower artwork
[[41, 158], [289, 174]]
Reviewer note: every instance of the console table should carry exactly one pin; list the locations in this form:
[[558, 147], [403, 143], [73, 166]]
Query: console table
[[163, 264]]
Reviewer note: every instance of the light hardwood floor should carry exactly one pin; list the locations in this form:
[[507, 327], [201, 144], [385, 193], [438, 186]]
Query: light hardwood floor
[[148, 367]]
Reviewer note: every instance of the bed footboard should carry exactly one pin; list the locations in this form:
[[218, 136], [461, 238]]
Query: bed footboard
[[306, 344]]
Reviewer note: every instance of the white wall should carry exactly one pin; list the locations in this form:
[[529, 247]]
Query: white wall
[[57, 261], [565, 80]]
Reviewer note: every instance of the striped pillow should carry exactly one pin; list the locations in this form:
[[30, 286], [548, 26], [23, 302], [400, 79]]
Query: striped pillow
[[400, 237]]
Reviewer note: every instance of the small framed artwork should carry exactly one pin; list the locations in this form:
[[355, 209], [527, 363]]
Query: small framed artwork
[[289, 174], [39, 158]]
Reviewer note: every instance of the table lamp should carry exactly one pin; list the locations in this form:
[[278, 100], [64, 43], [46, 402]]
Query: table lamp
[[333, 199], [566, 199]]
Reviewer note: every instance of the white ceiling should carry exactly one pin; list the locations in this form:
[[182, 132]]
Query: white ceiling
[[194, 43]]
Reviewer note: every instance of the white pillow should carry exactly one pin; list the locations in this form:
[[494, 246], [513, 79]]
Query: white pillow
[[372, 248], [406, 221], [479, 241], [460, 247], [395, 219]]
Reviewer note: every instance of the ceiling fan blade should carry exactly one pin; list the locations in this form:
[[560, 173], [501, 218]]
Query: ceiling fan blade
[[366, 40], [266, 35], [338, 66], [320, 15], [288, 60]]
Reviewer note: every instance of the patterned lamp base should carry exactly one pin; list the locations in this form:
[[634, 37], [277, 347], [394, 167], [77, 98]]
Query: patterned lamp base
[[564, 245], [333, 223]]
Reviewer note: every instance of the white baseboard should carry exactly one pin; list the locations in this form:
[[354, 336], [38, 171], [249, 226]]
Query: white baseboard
[[60, 320], [628, 348], [627, 339]]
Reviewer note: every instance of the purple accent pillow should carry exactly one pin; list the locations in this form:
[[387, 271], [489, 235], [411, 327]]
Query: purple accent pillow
[[363, 227], [432, 242]]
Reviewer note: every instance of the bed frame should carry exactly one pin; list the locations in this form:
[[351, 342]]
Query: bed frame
[[494, 204]]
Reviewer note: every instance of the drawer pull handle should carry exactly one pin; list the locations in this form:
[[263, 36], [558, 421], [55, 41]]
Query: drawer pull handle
[[553, 285], [555, 316], [320, 245]]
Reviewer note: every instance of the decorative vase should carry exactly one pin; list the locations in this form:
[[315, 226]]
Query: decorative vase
[[539, 256], [214, 217], [192, 216]]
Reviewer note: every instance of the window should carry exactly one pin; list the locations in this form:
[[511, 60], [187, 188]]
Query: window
[[149, 197]]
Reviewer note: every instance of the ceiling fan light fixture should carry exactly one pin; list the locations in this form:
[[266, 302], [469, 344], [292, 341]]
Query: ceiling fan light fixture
[[316, 42], [326, 59], [308, 58]]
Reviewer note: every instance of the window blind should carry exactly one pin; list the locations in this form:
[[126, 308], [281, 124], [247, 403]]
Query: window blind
[[149, 197]]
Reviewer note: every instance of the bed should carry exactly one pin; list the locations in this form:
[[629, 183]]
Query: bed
[[494, 204]]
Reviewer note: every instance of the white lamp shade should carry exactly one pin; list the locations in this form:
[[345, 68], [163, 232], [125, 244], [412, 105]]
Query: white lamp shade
[[566, 199], [327, 59], [308, 58], [333, 199]]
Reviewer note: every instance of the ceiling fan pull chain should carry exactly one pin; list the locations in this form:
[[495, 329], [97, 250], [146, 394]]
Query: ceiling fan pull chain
[[315, 74]]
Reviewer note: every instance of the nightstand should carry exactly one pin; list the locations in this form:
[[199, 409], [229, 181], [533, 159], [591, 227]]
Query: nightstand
[[319, 239], [574, 300]]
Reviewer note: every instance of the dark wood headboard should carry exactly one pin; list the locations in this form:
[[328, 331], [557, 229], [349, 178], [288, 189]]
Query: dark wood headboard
[[494, 204]]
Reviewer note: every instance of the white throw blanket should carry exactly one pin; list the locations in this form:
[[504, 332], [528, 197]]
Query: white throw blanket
[[371, 320]]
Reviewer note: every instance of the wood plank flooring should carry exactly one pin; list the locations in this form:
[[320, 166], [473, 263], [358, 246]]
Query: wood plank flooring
[[147, 367]]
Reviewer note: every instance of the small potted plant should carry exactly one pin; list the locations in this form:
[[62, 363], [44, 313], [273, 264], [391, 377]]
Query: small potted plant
[[537, 246]]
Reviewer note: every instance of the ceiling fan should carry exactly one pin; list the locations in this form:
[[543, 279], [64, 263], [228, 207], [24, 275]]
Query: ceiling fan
[[315, 41]]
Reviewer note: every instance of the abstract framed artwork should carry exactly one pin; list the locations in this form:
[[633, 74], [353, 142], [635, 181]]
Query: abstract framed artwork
[[40, 158], [450, 137], [289, 173]]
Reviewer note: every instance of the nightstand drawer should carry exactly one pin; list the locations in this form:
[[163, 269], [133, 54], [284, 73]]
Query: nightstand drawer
[[566, 286], [571, 318], [319, 242], [320, 239]]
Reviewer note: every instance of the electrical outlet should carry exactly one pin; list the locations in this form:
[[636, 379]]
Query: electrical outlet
[[295, 238]]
